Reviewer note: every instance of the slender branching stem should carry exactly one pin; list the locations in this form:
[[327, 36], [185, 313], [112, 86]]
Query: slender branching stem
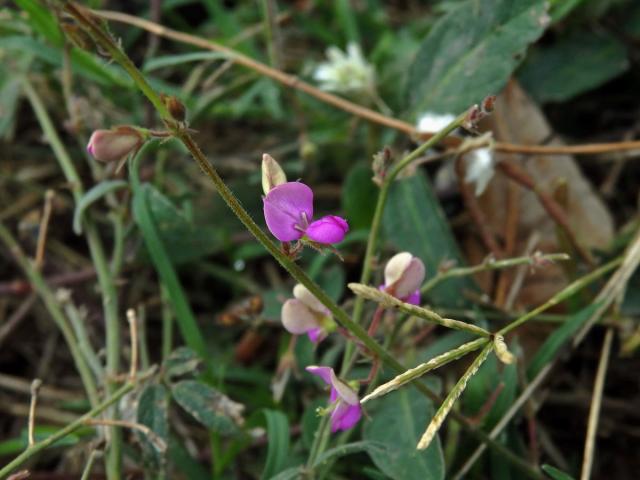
[[100, 262], [492, 264], [63, 432]]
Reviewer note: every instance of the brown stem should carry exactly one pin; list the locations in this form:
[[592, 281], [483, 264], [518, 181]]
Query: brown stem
[[552, 207], [294, 82]]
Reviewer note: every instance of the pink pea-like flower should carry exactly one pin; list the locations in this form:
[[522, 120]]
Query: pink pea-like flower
[[403, 276], [305, 314], [288, 211], [345, 402]]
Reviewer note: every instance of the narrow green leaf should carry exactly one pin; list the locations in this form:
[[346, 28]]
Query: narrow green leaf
[[558, 9], [153, 413], [278, 446], [208, 406], [372, 448], [556, 474], [558, 339], [471, 52], [413, 221], [98, 191], [290, 473], [573, 65], [396, 422], [42, 20], [186, 320], [173, 60]]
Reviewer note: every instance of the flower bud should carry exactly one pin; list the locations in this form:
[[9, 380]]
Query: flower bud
[[176, 108], [403, 275], [115, 144], [272, 173]]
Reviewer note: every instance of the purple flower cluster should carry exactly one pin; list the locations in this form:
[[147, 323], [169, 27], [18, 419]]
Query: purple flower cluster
[[288, 212]]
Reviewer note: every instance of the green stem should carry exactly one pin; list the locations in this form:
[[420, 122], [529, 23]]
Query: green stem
[[376, 222], [86, 474], [454, 394], [53, 306], [81, 421], [98, 257], [491, 265], [564, 294], [386, 300]]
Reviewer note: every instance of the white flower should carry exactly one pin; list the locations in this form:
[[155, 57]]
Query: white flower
[[430, 122], [480, 168], [345, 72]]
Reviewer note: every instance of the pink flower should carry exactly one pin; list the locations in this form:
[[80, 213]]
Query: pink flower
[[305, 314], [115, 144], [403, 276], [288, 211], [345, 402]]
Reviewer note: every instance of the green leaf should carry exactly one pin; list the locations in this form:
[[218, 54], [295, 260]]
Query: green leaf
[[413, 221], [98, 191], [173, 60], [471, 52], [184, 241], [397, 422], [41, 20], [558, 339], [182, 361], [573, 65], [558, 9], [359, 195], [278, 443], [208, 406], [290, 473], [152, 412], [372, 448], [555, 473], [185, 318], [332, 280], [183, 463]]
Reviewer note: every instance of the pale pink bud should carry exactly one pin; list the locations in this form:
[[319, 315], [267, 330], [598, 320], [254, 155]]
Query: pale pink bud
[[403, 275], [272, 173], [115, 144]]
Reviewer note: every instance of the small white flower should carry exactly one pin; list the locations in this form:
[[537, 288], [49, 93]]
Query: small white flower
[[430, 122], [345, 72], [480, 168]]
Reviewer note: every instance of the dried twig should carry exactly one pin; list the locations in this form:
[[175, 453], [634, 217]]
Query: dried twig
[[294, 82]]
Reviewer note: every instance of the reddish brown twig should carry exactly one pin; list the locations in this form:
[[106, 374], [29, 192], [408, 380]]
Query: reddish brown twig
[[294, 82], [555, 211], [21, 287]]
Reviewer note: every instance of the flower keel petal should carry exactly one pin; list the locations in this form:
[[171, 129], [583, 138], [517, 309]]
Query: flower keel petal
[[327, 230]]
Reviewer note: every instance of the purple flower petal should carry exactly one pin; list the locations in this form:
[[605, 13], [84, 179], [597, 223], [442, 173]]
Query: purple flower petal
[[410, 280], [345, 416], [297, 318], [323, 372], [316, 335], [413, 299], [285, 208], [329, 229]]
